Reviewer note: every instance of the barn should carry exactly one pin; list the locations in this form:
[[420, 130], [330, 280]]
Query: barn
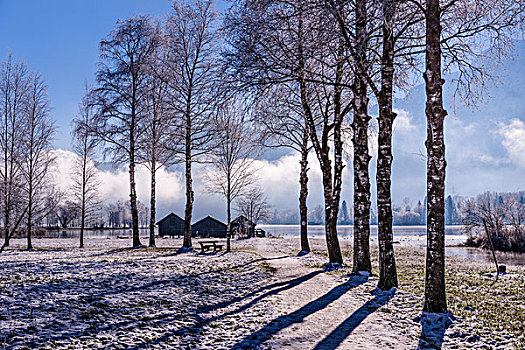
[[209, 227], [242, 227], [171, 225]]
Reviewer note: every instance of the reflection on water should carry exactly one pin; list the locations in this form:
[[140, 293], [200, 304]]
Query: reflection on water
[[477, 254], [406, 235], [411, 236], [106, 233]]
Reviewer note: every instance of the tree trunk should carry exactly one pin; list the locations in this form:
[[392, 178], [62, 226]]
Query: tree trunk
[[83, 204], [303, 194], [6, 226], [189, 182], [132, 183], [133, 204], [152, 206], [338, 159], [29, 221], [322, 150], [435, 299], [6, 191], [6, 194], [228, 215], [360, 141], [332, 242], [387, 262], [82, 224], [189, 205]]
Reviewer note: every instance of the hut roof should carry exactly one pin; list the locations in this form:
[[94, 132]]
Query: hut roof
[[178, 218], [209, 218], [243, 219]]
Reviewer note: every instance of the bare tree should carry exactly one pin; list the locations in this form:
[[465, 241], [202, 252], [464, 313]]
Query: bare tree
[[465, 38], [14, 89], [280, 114], [360, 24], [501, 216], [254, 206], [293, 41], [67, 213], [85, 180], [39, 193], [232, 158], [155, 151], [191, 69], [121, 93]]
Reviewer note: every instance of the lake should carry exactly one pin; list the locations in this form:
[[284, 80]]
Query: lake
[[412, 236]]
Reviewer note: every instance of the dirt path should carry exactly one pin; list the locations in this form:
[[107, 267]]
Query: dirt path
[[319, 310]]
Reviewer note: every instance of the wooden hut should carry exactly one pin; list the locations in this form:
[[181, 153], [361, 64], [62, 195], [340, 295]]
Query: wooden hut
[[171, 225], [243, 227], [209, 227]]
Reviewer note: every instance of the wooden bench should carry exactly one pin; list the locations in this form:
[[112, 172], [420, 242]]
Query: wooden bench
[[208, 245]]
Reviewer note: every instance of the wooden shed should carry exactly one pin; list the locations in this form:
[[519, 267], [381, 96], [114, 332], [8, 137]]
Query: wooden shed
[[243, 227], [171, 225], [209, 227]]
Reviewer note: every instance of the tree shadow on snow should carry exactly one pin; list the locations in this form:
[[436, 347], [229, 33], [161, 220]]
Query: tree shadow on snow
[[273, 289], [433, 327], [338, 335], [282, 322], [99, 326]]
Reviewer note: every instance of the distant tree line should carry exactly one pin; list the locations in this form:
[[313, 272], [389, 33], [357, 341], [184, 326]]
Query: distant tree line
[[405, 214], [112, 215]]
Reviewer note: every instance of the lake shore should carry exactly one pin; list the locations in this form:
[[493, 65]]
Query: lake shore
[[259, 296]]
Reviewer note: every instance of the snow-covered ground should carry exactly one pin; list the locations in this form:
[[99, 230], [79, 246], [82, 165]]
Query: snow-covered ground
[[261, 296], [58, 297]]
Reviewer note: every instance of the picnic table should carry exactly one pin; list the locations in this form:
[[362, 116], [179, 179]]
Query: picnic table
[[209, 245]]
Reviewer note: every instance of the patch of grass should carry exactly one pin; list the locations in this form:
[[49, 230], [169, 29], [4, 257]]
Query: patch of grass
[[497, 308], [269, 269]]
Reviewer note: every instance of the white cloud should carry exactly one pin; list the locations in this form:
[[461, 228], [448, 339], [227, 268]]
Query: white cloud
[[114, 186], [280, 179], [514, 140], [403, 122]]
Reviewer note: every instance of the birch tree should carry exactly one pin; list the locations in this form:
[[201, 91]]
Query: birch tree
[[232, 158], [39, 192], [191, 72], [277, 42], [435, 300], [280, 115], [360, 27], [121, 94], [85, 179], [14, 90], [471, 39], [155, 151]]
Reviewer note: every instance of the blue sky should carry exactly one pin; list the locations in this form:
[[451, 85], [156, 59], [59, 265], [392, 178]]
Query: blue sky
[[59, 38]]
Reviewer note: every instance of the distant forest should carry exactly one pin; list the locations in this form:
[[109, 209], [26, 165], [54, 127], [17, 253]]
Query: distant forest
[[406, 214]]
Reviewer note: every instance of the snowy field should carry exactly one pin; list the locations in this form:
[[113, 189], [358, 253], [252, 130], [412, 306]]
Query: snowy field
[[57, 297], [261, 296]]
